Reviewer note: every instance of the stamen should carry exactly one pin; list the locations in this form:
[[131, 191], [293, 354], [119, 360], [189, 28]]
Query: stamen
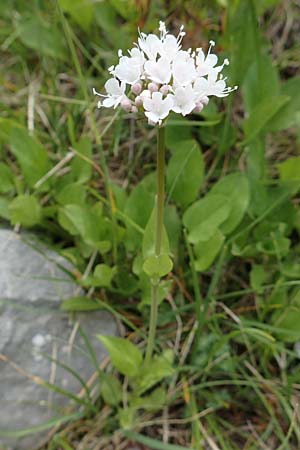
[[211, 44], [98, 93]]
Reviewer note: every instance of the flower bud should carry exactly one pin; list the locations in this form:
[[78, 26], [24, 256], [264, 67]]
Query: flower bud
[[205, 100], [138, 101], [134, 109], [126, 104], [198, 108], [150, 122], [136, 88], [164, 89], [152, 87]]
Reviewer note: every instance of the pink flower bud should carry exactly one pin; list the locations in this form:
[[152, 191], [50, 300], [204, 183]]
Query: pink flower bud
[[138, 101], [198, 108], [152, 87], [134, 109], [136, 89], [150, 122], [205, 100], [126, 104], [164, 89]]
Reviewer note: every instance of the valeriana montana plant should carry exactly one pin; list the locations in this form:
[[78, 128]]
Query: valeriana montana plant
[[155, 78]]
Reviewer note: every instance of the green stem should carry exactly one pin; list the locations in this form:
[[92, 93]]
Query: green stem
[[160, 189], [158, 237], [153, 321]]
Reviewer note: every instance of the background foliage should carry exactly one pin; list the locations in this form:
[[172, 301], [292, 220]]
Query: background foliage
[[85, 180]]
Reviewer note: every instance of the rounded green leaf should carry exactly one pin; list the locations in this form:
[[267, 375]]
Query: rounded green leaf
[[157, 266], [207, 251], [124, 355], [204, 217], [236, 189], [6, 178], [25, 209], [185, 173], [103, 275]]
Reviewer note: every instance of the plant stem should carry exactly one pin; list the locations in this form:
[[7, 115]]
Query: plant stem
[[160, 189], [158, 237], [153, 321]]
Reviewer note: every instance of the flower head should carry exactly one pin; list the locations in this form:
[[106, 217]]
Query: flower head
[[161, 77]]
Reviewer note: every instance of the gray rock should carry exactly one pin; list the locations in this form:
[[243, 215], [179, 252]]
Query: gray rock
[[30, 272], [32, 331]]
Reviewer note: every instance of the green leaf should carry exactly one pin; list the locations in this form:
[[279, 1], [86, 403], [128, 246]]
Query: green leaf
[[138, 208], [6, 127], [25, 209], [289, 170], [258, 277], [159, 367], [127, 9], [111, 389], [261, 82], [185, 173], [81, 169], [157, 266], [4, 208], [207, 251], [103, 275], [177, 135], [84, 221], [6, 178], [173, 227], [149, 237], [204, 217], [124, 355], [30, 154], [244, 37], [80, 10], [80, 304], [262, 115], [288, 324], [71, 193], [152, 402], [289, 114], [236, 189], [43, 37]]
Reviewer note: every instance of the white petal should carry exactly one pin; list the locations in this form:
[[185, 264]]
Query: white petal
[[211, 60], [108, 102], [152, 116], [147, 103], [112, 87]]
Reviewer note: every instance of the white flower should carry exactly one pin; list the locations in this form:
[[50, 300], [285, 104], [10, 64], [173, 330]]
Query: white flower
[[157, 108], [183, 69], [170, 47], [206, 64], [128, 70], [212, 86], [184, 100], [137, 57], [151, 45], [159, 71], [115, 93]]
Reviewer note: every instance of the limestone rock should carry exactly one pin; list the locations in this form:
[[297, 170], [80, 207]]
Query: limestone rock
[[35, 337]]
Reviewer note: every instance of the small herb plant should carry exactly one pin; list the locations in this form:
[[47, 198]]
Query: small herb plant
[[158, 77], [220, 280]]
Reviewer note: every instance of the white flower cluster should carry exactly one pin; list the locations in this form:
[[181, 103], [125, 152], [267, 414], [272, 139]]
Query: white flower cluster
[[164, 78]]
